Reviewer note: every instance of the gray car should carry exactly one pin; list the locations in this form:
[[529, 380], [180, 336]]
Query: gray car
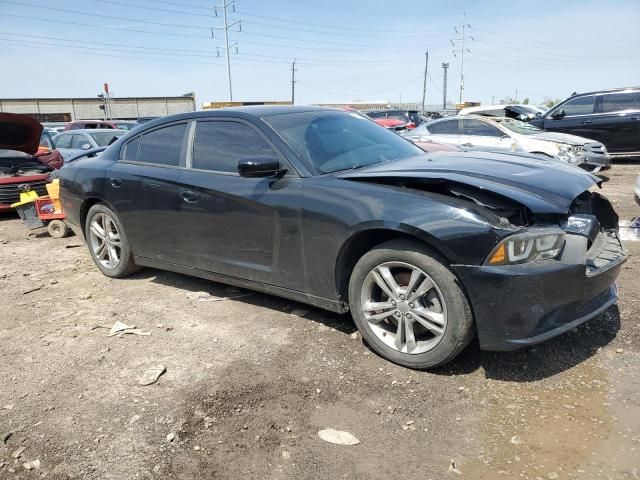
[[73, 142]]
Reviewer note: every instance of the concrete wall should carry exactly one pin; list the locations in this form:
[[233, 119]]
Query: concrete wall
[[89, 108]]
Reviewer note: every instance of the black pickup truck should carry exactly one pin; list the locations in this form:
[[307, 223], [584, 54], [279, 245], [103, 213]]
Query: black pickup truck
[[608, 116]]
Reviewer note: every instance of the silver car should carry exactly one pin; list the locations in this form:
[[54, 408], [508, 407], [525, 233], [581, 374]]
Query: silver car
[[73, 142], [475, 132]]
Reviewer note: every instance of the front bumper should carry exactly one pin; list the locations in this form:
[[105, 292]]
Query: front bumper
[[520, 305], [595, 160]]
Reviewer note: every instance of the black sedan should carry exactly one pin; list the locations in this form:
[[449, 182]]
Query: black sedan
[[324, 207]]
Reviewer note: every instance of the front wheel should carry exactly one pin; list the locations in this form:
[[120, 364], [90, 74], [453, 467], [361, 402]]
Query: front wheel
[[107, 242], [409, 306]]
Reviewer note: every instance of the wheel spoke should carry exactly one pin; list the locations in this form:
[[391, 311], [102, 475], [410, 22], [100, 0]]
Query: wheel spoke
[[387, 310], [432, 321], [413, 281], [386, 282], [97, 230], [102, 251], [113, 255], [409, 336], [424, 287], [399, 340]]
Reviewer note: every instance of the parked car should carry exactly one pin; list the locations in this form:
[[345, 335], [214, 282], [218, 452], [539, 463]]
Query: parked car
[[20, 165], [507, 134], [47, 152], [519, 112], [430, 146], [142, 120], [93, 124], [611, 117], [319, 206], [395, 119], [74, 142]]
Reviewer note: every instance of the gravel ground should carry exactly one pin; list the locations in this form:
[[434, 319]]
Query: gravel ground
[[250, 379]]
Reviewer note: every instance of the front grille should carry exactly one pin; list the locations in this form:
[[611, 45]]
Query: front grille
[[606, 251], [10, 193], [595, 147]]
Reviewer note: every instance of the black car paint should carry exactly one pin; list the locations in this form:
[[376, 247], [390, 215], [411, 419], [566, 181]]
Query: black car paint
[[618, 131], [298, 235]]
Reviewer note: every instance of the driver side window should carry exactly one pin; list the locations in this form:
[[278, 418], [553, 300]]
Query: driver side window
[[579, 106], [78, 141], [63, 141], [479, 128]]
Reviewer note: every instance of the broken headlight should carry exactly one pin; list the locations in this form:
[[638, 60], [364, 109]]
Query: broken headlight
[[568, 153], [525, 247]]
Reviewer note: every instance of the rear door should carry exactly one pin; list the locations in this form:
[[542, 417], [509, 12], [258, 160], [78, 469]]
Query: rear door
[[617, 118], [242, 227], [143, 187], [480, 135], [578, 118], [63, 144]]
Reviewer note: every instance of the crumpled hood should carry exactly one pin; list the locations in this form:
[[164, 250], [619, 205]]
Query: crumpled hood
[[542, 185], [561, 138], [19, 133]]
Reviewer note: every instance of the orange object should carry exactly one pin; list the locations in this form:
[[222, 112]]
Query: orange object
[[499, 255]]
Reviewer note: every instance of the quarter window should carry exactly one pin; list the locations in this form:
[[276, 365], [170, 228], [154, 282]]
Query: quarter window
[[579, 106], [219, 145], [477, 127], [447, 127], [162, 146]]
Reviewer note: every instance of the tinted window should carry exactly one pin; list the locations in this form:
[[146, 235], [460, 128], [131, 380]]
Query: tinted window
[[219, 145], [78, 141], [131, 149], [63, 141], [327, 141], [476, 127], [617, 102], [446, 127], [162, 146], [491, 113], [579, 106]]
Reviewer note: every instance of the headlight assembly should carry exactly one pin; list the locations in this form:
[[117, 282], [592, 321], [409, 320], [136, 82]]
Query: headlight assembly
[[534, 244]]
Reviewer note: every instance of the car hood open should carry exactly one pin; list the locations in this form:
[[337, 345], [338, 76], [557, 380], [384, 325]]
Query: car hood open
[[543, 186], [19, 133]]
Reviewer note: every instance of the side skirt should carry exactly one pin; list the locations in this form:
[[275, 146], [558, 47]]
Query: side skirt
[[324, 303]]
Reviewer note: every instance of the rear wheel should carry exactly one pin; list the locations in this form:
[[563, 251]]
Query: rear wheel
[[408, 305], [107, 242]]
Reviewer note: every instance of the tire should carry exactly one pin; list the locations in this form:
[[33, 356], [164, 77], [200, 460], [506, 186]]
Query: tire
[[58, 229], [435, 312], [114, 259]]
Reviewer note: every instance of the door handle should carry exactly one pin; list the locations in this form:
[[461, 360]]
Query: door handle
[[115, 182], [467, 144], [587, 122], [190, 197]]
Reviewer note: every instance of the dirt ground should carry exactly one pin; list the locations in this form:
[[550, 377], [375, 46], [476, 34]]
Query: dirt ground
[[250, 379]]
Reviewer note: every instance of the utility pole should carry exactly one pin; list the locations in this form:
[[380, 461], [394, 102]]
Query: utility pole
[[493, 98], [424, 84], [444, 86], [461, 41], [293, 82], [226, 26]]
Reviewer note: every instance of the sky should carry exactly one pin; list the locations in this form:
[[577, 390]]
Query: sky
[[358, 50]]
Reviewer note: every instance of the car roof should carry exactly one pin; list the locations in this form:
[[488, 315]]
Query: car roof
[[90, 130], [610, 90]]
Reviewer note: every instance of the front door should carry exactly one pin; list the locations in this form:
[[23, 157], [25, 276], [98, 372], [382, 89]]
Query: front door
[[143, 187], [242, 227], [577, 119], [480, 135], [618, 119]]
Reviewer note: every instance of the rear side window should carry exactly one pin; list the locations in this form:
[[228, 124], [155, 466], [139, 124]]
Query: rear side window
[[219, 145], [162, 146], [618, 102], [579, 106], [476, 127], [446, 127]]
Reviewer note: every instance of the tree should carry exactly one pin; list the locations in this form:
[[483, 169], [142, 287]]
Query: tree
[[526, 101]]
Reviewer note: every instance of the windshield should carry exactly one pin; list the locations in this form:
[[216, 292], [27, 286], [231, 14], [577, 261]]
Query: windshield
[[104, 139], [329, 141], [517, 126]]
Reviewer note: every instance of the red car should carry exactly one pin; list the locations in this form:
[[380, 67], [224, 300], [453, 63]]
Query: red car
[[90, 124], [22, 160]]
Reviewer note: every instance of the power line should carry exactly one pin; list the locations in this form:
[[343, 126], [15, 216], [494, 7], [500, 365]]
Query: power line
[[363, 94]]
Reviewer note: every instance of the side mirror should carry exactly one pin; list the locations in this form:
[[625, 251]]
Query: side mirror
[[85, 146], [558, 113], [256, 167]]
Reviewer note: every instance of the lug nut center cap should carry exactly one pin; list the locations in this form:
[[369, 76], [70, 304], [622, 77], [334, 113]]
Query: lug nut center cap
[[403, 307]]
